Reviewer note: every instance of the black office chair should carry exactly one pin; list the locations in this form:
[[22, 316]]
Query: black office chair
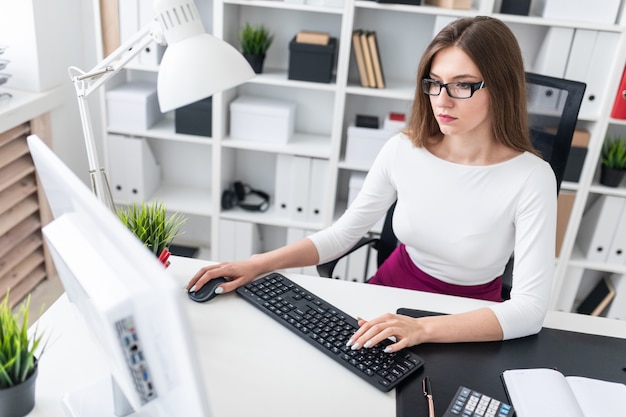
[[553, 106]]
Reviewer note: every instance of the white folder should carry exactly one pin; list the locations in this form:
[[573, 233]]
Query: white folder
[[554, 52], [282, 187], [617, 250], [588, 48], [226, 245], [299, 187], [293, 235], [318, 190], [247, 239], [152, 54], [341, 269], [128, 11], [597, 227], [357, 265], [617, 308], [134, 172]]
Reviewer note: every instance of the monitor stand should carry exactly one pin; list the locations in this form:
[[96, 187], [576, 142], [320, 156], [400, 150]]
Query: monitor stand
[[101, 399]]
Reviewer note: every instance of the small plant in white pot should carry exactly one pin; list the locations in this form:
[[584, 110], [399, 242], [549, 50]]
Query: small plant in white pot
[[151, 224], [18, 364]]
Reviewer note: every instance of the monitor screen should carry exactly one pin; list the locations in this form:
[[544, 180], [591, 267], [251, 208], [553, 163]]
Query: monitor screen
[[126, 298]]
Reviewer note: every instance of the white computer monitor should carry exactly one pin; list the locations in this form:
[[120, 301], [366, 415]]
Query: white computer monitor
[[129, 302]]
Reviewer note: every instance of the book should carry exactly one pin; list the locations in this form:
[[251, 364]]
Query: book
[[376, 61], [547, 392], [360, 59], [598, 299], [315, 38], [367, 57]]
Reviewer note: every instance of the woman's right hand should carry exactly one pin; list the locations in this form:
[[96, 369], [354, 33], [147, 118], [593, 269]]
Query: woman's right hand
[[239, 273]]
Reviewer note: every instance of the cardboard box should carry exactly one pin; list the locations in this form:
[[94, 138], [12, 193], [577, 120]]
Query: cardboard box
[[194, 118], [310, 62], [450, 4], [132, 106], [603, 11], [363, 144], [262, 119]]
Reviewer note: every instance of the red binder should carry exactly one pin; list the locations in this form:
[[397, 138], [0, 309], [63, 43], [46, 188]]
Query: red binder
[[619, 106]]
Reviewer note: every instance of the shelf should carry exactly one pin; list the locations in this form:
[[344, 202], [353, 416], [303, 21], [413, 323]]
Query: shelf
[[578, 260], [279, 77], [183, 199], [303, 144], [269, 217], [277, 4], [165, 129]]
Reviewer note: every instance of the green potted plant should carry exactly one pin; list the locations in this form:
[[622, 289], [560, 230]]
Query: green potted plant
[[255, 41], [153, 226], [613, 162], [18, 364]]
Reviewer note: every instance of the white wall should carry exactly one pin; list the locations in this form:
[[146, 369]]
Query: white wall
[[44, 38]]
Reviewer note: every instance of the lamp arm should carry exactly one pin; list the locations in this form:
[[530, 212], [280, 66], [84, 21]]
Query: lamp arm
[[86, 83]]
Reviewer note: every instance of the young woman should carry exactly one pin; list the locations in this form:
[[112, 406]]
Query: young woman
[[470, 191]]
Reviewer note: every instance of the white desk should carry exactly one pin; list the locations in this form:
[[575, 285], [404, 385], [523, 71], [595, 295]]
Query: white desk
[[248, 359]]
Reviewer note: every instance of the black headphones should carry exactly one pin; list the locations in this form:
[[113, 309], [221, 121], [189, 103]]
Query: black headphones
[[234, 197]]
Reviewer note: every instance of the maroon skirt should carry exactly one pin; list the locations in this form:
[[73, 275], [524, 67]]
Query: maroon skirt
[[399, 271]]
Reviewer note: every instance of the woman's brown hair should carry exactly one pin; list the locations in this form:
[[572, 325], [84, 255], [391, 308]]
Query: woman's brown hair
[[495, 51]]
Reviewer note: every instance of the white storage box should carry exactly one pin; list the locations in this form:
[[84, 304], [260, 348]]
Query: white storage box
[[364, 143], [600, 11], [133, 106], [262, 119]]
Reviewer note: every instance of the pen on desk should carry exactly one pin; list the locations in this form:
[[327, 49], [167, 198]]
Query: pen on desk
[[428, 393]]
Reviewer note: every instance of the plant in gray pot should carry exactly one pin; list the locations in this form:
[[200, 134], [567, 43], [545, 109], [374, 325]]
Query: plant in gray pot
[[613, 162], [255, 41], [18, 364]]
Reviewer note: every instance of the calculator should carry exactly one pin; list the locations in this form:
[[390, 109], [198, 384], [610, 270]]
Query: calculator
[[470, 403]]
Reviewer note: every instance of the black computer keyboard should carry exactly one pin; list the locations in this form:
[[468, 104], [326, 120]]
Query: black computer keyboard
[[328, 329]]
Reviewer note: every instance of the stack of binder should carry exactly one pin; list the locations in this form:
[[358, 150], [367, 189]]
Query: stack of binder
[[602, 232], [301, 188]]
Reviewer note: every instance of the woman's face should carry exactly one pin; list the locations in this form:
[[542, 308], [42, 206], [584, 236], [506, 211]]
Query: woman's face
[[459, 117]]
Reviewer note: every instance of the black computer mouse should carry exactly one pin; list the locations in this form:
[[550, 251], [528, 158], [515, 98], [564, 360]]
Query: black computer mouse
[[207, 291]]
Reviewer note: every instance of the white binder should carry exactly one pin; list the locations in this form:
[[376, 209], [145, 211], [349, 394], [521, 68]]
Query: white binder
[[226, 245], [318, 190], [134, 172], [152, 54], [597, 227], [357, 265], [293, 235], [129, 20], [554, 52], [282, 188], [617, 251], [588, 48], [299, 187]]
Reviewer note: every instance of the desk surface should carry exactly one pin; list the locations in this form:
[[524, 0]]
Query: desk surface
[[248, 360]]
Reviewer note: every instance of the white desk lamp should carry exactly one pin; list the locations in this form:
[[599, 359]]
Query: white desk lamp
[[195, 65]]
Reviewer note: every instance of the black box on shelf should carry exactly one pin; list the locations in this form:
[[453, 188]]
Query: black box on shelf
[[577, 155], [194, 118], [311, 62], [519, 7]]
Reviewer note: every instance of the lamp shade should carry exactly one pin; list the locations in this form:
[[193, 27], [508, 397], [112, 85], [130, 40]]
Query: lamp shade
[[195, 65]]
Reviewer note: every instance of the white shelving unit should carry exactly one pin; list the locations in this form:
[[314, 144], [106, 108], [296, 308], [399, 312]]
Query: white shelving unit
[[196, 170]]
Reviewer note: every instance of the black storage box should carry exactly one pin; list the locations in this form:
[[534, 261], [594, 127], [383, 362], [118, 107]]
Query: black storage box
[[519, 7], [194, 118], [575, 162], [310, 62]]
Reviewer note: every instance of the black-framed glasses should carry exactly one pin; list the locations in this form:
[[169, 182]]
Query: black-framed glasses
[[460, 90]]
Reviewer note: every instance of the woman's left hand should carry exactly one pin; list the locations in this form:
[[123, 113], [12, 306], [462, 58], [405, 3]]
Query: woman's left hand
[[407, 331]]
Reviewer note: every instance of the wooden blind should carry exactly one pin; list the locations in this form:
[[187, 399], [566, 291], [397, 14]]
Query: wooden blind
[[23, 257]]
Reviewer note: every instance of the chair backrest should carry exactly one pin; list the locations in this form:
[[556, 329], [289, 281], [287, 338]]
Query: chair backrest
[[553, 106]]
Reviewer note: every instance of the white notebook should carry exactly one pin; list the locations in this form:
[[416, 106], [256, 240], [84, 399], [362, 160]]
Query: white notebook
[[547, 392]]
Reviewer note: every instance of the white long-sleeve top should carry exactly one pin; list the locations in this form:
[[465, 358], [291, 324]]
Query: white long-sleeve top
[[461, 223]]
